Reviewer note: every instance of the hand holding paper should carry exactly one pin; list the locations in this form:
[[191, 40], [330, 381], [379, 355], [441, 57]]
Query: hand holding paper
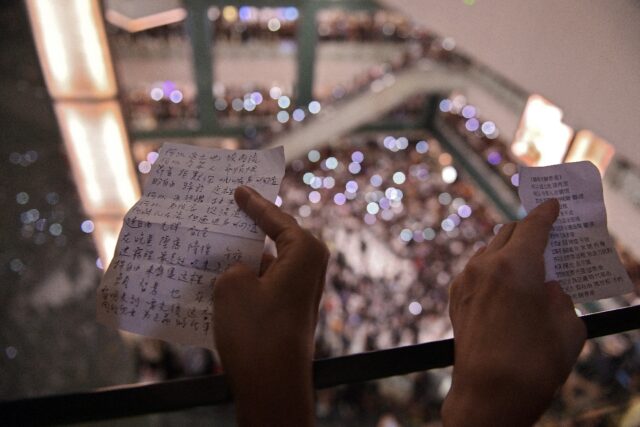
[[580, 254], [516, 337], [264, 324], [184, 232]]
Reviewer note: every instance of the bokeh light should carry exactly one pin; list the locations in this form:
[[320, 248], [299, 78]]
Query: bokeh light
[[313, 156], [314, 197], [355, 168], [415, 308], [87, 226], [284, 102], [373, 208], [331, 163], [449, 174], [275, 92], [422, 147], [298, 115], [282, 116], [445, 105], [156, 94], [22, 198], [399, 178], [273, 24], [314, 107]]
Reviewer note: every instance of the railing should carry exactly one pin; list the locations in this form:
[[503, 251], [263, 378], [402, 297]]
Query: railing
[[132, 400]]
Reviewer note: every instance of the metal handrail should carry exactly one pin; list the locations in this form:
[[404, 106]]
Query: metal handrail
[[140, 399]]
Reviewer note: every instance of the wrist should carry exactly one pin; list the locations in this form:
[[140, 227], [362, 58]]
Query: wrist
[[274, 392], [271, 380]]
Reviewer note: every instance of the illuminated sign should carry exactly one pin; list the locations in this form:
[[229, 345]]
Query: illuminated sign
[[589, 146], [542, 139]]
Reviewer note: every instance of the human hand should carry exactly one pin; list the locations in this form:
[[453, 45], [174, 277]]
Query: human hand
[[516, 337], [264, 324]]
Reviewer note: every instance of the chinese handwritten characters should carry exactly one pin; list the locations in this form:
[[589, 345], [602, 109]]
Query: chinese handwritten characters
[[580, 254], [184, 232]]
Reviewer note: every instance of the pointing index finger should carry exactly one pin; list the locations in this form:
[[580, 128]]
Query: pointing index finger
[[266, 215], [533, 231]]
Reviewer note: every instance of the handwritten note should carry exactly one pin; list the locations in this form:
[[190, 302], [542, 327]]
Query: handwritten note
[[185, 231], [580, 254]]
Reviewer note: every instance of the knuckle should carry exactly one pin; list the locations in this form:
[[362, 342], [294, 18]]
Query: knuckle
[[287, 217], [478, 254], [307, 237], [315, 246], [506, 228], [294, 234], [472, 270]]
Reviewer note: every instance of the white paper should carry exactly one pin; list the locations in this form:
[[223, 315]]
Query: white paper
[[581, 254], [185, 231]]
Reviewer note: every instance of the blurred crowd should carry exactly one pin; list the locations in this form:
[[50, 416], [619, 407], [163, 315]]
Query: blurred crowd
[[247, 23], [483, 136], [399, 228], [149, 109]]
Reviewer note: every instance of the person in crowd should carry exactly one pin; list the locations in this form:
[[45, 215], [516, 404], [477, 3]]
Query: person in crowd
[[516, 336]]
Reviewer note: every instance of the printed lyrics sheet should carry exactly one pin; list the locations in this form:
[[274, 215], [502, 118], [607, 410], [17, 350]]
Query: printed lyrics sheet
[[580, 254]]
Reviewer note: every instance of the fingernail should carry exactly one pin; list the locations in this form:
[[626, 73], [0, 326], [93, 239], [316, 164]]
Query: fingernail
[[242, 195], [552, 203], [552, 206], [250, 190]]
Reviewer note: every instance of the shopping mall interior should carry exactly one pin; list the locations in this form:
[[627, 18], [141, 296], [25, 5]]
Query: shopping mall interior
[[403, 122]]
